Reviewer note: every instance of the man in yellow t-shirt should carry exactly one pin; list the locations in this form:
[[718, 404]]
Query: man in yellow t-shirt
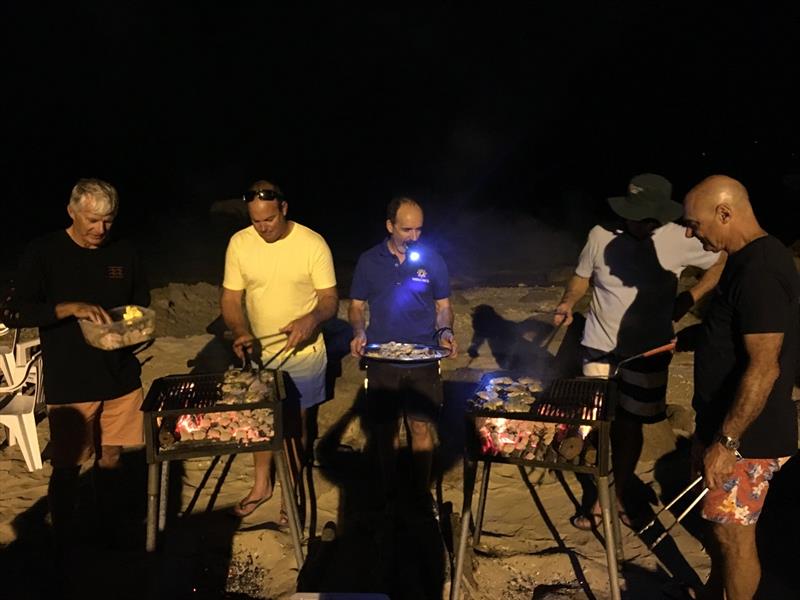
[[285, 273]]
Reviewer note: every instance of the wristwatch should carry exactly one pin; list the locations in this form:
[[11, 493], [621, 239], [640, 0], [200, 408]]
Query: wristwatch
[[729, 442]]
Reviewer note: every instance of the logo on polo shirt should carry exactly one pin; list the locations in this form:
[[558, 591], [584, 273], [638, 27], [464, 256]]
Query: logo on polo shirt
[[115, 272], [422, 276]]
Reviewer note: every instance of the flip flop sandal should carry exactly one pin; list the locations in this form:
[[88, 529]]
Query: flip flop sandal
[[247, 508], [595, 521], [587, 522]]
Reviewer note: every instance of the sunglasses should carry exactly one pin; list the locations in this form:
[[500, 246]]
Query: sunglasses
[[251, 195]]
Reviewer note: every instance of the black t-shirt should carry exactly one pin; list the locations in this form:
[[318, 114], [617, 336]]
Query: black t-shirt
[[757, 293], [55, 269]]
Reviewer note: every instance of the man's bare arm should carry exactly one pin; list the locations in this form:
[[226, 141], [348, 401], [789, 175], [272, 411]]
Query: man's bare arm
[[709, 279], [357, 315], [707, 282], [755, 386], [301, 329], [576, 288], [327, 304], [763, 352], [232, 313], [445, 318]]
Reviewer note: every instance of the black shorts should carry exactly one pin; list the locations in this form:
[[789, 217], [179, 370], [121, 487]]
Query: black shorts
[[395, 389]]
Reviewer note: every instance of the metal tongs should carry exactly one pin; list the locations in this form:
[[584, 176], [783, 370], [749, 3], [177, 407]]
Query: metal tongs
[[251, 357], [256, 364], [688, 509]]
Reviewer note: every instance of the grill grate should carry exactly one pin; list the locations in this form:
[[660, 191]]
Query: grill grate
[[580, 398], [174, 397], [178, 392]]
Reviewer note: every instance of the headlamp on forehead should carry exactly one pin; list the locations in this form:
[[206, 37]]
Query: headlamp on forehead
[[251, 195]]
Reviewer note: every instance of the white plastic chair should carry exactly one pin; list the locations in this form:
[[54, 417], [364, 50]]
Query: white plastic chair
[[15, 359], [18, 403]]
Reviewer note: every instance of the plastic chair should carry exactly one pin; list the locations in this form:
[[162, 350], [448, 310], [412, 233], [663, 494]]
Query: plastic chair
[[15, 359], [18, 403]]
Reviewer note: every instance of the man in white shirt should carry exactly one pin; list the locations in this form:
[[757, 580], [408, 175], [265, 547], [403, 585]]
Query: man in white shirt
[[633, 268]]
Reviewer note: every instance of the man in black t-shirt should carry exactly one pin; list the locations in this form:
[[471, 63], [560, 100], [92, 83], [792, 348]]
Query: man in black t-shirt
[[93, 396], [744, 370]]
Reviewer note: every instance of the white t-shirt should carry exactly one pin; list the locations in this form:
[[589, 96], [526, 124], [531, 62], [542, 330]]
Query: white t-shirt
[[279, 279], [634, 286]]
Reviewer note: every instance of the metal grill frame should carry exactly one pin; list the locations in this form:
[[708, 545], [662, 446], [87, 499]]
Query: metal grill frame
[[208, 385], [610, 518], [602, 423]]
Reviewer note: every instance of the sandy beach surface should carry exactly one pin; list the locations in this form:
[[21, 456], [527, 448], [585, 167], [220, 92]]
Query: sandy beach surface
[[528, 548]]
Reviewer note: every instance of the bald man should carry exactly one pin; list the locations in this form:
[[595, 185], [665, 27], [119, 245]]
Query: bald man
[[744, 370]]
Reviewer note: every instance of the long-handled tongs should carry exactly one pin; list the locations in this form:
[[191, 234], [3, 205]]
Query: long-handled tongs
[[688, 509], [665, 348], [670, 505]]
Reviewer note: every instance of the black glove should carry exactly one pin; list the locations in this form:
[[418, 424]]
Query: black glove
[[683, 303]]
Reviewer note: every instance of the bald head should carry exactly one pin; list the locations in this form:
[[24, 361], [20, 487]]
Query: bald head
[[717, 189], [717, 211]]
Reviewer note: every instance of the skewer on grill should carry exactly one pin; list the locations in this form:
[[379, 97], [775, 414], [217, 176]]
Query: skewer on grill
[[670, 505]]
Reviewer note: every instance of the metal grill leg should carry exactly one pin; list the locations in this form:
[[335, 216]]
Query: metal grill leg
[[617, 527], [458, 571], [608, 534], [291, 505], [487, 469], [163, 496], [152, 505]]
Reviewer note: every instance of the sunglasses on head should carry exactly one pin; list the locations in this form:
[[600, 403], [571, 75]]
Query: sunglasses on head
[[251, 195]]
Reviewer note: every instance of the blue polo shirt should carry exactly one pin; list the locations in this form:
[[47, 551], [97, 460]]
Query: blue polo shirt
[[401, 297]]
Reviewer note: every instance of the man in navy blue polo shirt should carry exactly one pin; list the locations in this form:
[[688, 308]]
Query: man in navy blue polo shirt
[[408, 293]]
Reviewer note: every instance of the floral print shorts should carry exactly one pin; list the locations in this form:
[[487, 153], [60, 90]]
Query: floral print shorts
[[741, 498]]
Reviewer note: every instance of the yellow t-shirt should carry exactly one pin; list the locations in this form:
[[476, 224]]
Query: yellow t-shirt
[[279, 280]]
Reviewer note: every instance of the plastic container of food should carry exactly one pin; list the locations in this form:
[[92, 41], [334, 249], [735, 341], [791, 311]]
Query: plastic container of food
[[130, 325]]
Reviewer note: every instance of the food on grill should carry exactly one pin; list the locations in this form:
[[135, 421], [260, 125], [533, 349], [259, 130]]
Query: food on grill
[[130, 325], [404, 352], [507, 394], [244, 387]]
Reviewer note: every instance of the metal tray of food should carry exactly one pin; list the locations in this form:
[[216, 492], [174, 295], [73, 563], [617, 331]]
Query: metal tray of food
[[405, 353]]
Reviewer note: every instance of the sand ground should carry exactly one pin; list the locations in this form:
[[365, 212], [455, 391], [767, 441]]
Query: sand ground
[[528, 548]]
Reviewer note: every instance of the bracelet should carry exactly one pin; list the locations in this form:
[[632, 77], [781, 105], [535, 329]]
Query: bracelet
[[441, 330]]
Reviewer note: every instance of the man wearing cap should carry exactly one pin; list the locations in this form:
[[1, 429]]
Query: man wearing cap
[[744, 363], [408, 294], [285, 273], [633, 267]]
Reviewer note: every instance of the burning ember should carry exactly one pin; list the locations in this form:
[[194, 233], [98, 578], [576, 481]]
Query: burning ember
[[534, 440], [241, 427]]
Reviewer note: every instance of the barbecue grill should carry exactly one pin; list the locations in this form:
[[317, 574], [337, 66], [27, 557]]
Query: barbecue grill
[[188, 416], [559, 418]]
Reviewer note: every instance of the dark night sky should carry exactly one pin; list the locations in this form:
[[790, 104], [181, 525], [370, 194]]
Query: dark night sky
[[544, 110]]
